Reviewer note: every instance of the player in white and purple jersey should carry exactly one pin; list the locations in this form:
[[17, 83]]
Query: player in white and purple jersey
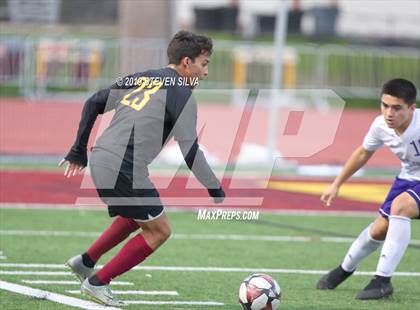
[[399, 129]]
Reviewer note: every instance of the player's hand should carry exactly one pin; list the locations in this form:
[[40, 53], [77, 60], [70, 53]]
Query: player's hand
[[71, 168], [217, 194], [329, 194]]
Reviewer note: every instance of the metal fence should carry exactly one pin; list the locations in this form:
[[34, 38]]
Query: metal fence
[[48, 66]]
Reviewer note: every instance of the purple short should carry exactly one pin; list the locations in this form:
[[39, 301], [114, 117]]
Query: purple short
[[400, 186]]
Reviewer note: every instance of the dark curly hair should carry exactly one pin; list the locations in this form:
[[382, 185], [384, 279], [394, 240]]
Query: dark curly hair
[[188, 44], [402, 89]]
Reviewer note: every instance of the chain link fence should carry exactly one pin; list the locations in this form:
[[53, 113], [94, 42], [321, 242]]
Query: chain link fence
[[39, 67]]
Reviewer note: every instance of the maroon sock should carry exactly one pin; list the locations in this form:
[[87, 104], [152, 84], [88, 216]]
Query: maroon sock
[[133, 253], [118, 231]]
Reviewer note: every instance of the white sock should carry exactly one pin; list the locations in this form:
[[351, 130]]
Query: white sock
[[396, 242], [363, 246]]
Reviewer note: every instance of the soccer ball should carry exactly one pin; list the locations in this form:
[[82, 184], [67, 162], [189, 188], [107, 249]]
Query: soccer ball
[[259, 292]]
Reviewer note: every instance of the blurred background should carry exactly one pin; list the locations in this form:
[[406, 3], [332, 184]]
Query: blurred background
[[293, 87], [55, 53], [58, 46]]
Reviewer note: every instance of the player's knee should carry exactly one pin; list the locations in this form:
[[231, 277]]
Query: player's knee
[[404, 205], [378, 232], [167, 232], [163, 232]]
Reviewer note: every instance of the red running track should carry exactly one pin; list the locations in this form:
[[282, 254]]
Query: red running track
[[50, 127], [54, 188]]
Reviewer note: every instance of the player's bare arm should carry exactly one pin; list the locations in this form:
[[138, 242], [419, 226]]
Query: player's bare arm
[[356, 161]]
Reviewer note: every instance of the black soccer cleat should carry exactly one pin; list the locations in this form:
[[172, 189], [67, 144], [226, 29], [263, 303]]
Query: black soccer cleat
[[332, 279], [378, 288]]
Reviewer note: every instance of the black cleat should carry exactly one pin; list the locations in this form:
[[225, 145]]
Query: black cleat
[[378, 288], [332, 279]]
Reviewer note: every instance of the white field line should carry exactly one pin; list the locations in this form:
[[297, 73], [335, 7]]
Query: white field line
[[2, 256], [191, 236], [266, 238], [167, 293], [178, 303], [297, 212], [34, 273], [256, 270], [65, 282], [42, 266], [46, 295], [49, 233], [180, 269]]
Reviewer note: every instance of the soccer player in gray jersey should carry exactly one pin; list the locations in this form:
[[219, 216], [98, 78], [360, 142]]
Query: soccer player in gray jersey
[[399, 129], [150, 108]]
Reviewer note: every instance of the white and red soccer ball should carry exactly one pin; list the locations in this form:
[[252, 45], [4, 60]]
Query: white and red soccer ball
[[259, 292]]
